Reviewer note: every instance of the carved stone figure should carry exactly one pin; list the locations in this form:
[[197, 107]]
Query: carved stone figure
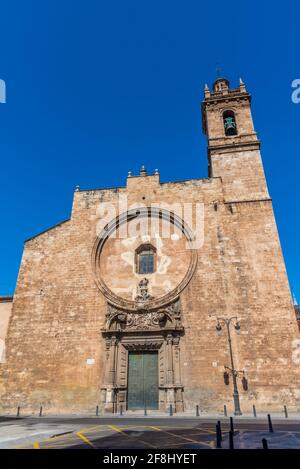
[[142, 291]]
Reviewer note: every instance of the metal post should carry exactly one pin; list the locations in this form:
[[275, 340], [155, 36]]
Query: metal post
[[264, 443], [121, 410], [225, 410], [234, 372], [254, 411], [97, 411], [285, 412], [197, 411], [171, 410], [18, 411], [220, 428], [270, 424], [145, 411], [41, 411], [231, 443], [231, 425], [236, 399], [218, 439]]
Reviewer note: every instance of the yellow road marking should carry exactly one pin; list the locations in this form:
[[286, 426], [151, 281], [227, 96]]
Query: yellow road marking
[[204, 431], [90, 429], [180, 443], [134, 426], [85, 439], [184, 438], [36, 445], [116, 429], [119, 430], [62, 445], [131, 427], [155, 428]]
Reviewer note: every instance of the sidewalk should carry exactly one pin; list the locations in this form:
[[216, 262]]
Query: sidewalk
[[261, 416]]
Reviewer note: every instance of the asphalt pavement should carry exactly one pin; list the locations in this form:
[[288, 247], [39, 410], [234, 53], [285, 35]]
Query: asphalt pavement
[[129, 432]]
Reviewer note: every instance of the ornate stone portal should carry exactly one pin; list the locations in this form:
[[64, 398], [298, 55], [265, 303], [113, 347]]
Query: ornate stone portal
[[149, 321], [143, 330]]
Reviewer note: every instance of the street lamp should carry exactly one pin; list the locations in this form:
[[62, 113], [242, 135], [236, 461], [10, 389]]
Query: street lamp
[[233, 371]]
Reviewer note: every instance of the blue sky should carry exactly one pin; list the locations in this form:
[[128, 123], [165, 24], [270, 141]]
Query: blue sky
[[97, 88]]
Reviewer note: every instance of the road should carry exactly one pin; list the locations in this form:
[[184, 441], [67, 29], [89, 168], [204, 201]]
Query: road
[[149, 433]]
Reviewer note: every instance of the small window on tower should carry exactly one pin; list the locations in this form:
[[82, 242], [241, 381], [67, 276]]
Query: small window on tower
[[229, 123], [145, 259]]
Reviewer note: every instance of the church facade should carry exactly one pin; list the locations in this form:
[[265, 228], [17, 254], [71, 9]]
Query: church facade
[[158, 294]]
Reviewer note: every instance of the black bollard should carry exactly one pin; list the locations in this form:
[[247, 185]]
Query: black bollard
[[219, 422], [225, 410], [270, 424], [97, 410], [145, 411], [231, 444], [218, 439], [197, 411], [41, 411], [18, 411], [254, 411], [264, 443], [171, 410], [220, 429], [285, 411], [231, 425], [121, 410]]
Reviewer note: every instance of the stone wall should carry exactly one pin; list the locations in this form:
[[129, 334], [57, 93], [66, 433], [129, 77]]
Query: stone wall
[[59, 311]]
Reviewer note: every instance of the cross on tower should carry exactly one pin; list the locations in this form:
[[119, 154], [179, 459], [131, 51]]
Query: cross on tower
[[218, 71]]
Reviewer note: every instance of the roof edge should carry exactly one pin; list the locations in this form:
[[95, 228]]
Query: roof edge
[[161, 183], [48, 229]]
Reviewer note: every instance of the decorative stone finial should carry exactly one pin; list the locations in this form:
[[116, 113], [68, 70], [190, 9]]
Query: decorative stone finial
[[206, 91], [143, 171], [242, 86], [156, 172], [77, 188], [295, 303], [129, 175]]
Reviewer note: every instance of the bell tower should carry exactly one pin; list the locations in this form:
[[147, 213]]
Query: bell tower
[[233, 146]]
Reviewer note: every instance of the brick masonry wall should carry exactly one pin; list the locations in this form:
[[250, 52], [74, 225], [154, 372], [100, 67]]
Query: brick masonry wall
[[59, 311]]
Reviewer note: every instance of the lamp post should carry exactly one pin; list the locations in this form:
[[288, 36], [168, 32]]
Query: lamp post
[[234, 372]]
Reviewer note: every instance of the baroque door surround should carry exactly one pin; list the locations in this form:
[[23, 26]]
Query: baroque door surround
[[159, 330]]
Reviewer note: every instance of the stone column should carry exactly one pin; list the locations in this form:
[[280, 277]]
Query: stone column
[[177, 375], [170, 372], [176, 361], [111, 374]]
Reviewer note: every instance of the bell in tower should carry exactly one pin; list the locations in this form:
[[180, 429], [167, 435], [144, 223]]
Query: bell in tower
[[229, 123]]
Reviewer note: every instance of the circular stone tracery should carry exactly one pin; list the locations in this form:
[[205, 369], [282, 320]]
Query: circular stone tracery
[[114, 267]]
